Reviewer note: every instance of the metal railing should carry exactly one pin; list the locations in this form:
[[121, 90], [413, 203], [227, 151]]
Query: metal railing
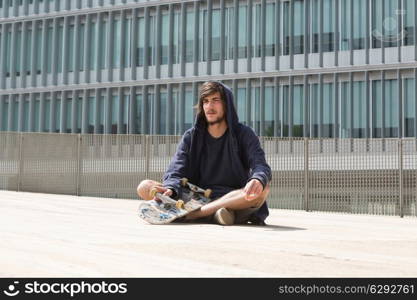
[[371, 176]]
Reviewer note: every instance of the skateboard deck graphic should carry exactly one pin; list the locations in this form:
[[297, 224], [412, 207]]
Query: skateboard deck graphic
[[165, 209]]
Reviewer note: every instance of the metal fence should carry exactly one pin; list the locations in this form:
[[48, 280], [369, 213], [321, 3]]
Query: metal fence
[[372, 176]]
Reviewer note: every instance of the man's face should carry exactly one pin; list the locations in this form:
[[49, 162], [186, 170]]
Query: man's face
[[213, 108]]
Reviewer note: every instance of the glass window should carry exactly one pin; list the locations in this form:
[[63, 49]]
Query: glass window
[[103, 44], [91, 106], [152, 41], [202, 35], [376, 109], [57, 113], [409, 107], [189, 112], [127, 39], [256, 30], [165, 39], [116, 43], [138, 114], [391, 108], [409, 19], [269, 111], [241, 104], [114, 113], [141, 41], [229, 13], [328, 111], [49, 33], [384, 27], [93, 45], [26, 114], [8, 50], [314, 110], [38, 47], [81, 48], [255, 109], [37, 112], [359, 110], [327, 40], [242, 43], [298, 22], [189, 43], [359, 24], [60, 46], [71, 42], [5, 115], [163, 114], [18, 50], [298, 111], [345, 121], [270, 31], [215, 42], [47, 115], [79, 113], [68, 104]]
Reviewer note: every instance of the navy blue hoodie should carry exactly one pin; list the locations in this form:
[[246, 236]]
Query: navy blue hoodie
[[248, 158]]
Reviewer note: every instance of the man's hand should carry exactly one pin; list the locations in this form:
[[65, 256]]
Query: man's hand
[[253, 189], [164, 191]]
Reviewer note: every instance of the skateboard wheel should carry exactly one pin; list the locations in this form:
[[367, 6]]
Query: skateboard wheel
[[207, 193], [153, 192], [184, 181], [179, 204]]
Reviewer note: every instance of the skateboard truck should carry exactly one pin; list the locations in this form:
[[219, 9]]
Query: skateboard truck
[[194, 188], [154, 193]]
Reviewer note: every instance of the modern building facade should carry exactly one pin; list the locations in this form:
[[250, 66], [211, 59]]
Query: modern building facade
[[298, 68]]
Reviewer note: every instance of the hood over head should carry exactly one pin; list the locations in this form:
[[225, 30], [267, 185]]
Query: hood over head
[[231, 115]]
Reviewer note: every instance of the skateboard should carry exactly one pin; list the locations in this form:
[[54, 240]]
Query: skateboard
[[165, 210]]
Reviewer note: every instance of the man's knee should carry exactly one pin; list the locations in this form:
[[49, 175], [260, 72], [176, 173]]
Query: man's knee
[[144, 188]]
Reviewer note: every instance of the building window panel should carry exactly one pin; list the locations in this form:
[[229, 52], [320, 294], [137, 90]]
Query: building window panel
[[117, 39], [391, 121], [189, 43], [5, 115], [81, 47], [385, 23], [47, 115], [242, 39], [269, 111], [408, 33], [270, 30], [165, 39], [241, 105], [48, 55], [359, 110], [71, 42], [92, 44], [91, 114], [138, 114], [141, 41], [377, 109], [189, 112], [409, 107], [127, 39], [215, 30], [298, 111]]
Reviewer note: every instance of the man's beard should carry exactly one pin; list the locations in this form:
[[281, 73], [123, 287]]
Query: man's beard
[[217, 121]]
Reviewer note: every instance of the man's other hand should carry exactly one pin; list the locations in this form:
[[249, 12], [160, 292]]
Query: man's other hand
[[164, 191], [253, 189]]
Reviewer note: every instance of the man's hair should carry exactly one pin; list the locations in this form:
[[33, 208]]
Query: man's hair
[[208, 88]]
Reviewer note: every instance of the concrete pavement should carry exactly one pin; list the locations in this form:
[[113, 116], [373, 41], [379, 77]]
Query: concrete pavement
[[44, 235]]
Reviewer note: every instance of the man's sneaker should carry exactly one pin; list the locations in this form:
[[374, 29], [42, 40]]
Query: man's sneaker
[[223, 216]]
